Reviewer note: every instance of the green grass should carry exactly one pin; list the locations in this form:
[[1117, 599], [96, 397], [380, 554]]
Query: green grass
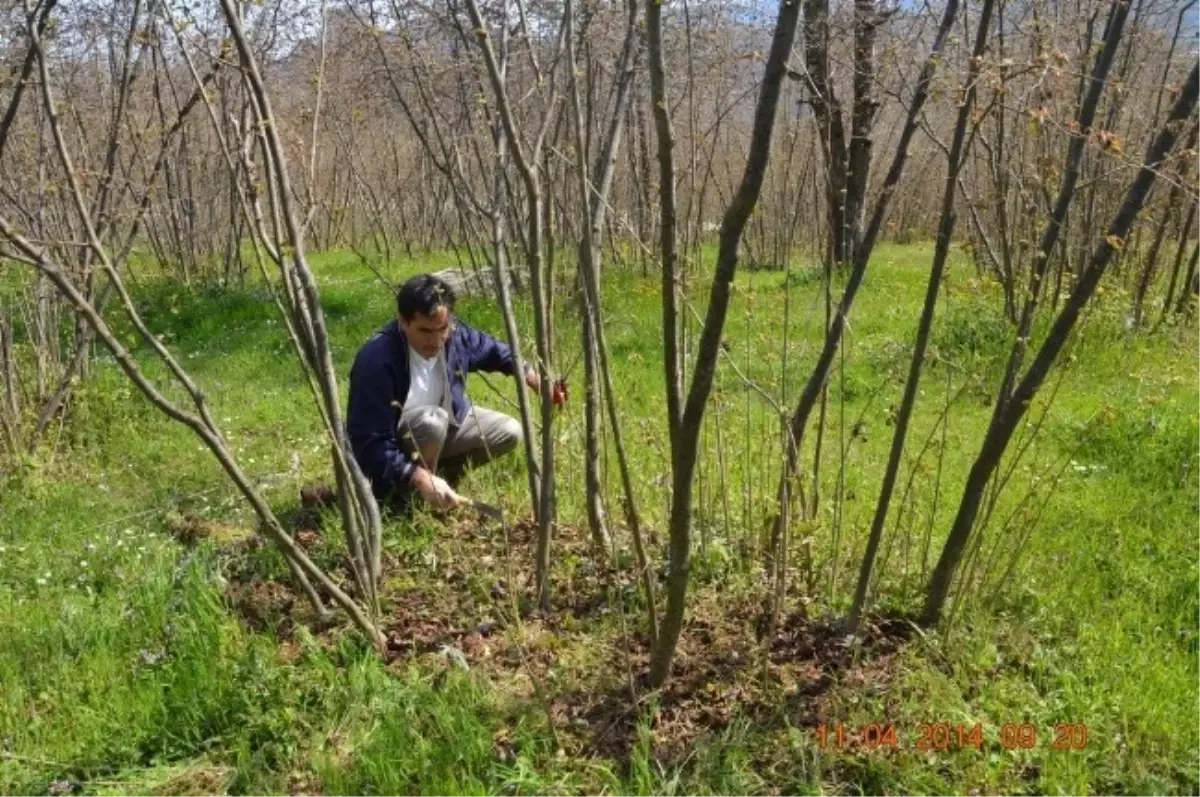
[[126, 670]]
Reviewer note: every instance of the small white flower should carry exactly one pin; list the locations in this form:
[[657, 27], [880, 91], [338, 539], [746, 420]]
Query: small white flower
[[41, 582]]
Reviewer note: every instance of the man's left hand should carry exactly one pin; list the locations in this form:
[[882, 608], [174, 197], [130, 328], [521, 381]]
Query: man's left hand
[[558, 391]]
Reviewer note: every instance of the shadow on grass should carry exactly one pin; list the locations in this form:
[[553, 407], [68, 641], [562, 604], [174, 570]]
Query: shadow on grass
[[721, 676], [464, 604], [228, 321], [240, 316]]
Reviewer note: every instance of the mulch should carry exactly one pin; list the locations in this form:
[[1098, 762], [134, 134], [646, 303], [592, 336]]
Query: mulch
[[468, 604]]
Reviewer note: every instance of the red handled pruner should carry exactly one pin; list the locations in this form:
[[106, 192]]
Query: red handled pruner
[[559, 392]]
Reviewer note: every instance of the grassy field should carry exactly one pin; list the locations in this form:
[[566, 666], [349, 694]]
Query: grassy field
[[135, 660]]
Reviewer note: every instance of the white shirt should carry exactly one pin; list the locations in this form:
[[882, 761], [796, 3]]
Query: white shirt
[[427, 380]]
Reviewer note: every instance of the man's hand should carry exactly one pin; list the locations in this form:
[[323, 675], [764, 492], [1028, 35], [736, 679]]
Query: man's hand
[[558, 391], [434, 489]]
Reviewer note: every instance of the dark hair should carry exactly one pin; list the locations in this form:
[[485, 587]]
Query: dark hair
[[423, 294]]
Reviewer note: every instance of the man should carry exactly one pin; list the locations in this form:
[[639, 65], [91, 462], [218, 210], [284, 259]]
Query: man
[[409, 415]]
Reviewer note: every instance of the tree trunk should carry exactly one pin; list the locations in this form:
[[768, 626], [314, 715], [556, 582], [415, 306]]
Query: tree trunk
[[1005, 421], [942, 249], [686, 439], [814, 387]]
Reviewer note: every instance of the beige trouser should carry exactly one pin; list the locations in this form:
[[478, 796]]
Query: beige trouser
[[483, 435]]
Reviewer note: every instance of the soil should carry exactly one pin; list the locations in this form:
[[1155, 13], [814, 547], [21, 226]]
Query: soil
[[468, 604]]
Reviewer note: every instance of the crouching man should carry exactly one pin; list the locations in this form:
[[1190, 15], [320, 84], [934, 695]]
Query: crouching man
[[409, 418]]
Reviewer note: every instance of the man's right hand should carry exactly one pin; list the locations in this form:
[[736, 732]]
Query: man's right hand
[[434, 489]]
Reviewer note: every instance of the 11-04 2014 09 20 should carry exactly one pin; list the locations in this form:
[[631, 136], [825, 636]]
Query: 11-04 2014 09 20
[[938, 736]]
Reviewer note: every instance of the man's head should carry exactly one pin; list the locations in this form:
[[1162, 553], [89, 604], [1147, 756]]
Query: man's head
[[424, 305]]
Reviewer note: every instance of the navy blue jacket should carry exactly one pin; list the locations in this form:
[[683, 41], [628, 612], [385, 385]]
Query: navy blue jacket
[[379, 382]]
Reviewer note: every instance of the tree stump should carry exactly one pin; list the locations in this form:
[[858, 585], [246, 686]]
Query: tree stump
[[467, 282]]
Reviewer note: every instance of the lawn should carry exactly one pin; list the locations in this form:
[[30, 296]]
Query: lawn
[[139, 659]]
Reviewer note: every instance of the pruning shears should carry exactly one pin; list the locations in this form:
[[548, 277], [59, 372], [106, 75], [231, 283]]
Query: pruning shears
[[487, 510], [560, 391]]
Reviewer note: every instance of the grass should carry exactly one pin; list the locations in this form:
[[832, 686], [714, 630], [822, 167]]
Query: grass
[[128, 668]]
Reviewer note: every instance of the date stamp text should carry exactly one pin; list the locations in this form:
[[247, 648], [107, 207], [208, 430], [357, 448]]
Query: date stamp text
[[946, 736]]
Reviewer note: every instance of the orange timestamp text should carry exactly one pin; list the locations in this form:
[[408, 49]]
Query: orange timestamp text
[[944, 736]]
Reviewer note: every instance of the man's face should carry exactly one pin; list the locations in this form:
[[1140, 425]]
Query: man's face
[[427, 334]]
